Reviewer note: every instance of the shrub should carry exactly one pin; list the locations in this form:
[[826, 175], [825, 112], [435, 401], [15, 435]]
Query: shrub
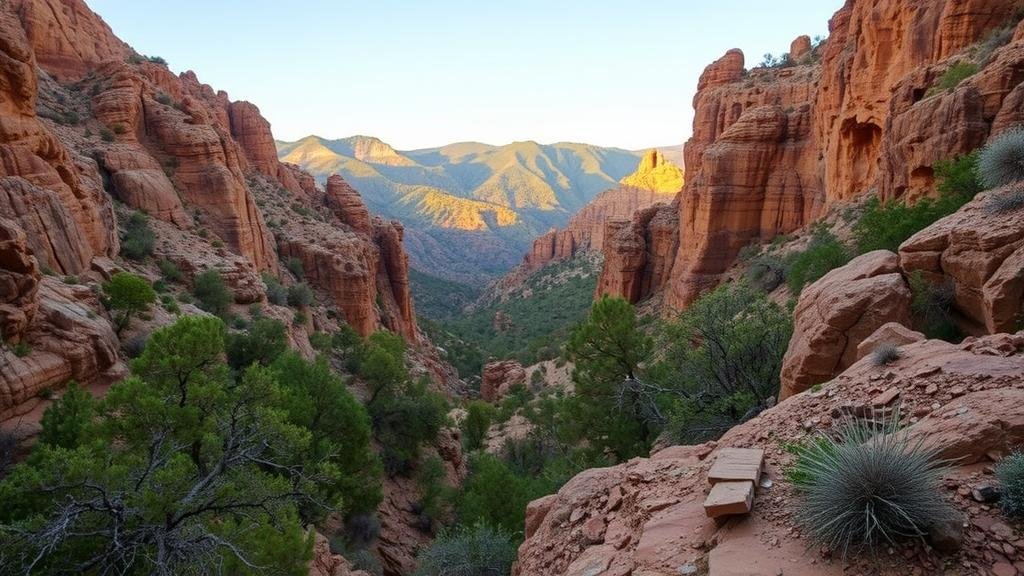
[[361, 530], [262, 344], [9, 441], [138, 239], [164, 98], [474, 551], [315, 398], [405, 419], [128, 295], [212, 293], [118, 128], [766, 272], [931, 307], [106, 135], [1009, 201], [868, 488], [493, 494], [884, 226], [169, 270], [477, 423], [157, 60], [1010, 473], [1001, 162], [953, 76], [435, 494], [276, 292], [65, 422], [824, 253], [294, 266], [721, 361], [886, 353], [608, 350], [299, 295]]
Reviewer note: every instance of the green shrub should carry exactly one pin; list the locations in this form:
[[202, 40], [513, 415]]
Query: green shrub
[[315, 398], [931, 307], [118, 128], [886, 353], [66, 421], [953, 76], [406, 418], [1010, 473], [1002, 160], [164, 98], [766, 272], [493, 494], [265, 340], [476, 424], [884, 226], [138, 239], [294, 266], [721, 361], [299, 295], [470, 551], [276, 292], [824, 253], [870, 487], [212, 293], [106, 135], [435, 494], [128, 295]]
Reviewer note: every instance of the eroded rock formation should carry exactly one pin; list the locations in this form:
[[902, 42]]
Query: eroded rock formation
[[655, 180], [838, 312], [499, 377], [979, 251], [772, 148]]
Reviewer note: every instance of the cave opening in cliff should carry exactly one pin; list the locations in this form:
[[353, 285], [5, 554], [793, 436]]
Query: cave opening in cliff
[[862, 141]]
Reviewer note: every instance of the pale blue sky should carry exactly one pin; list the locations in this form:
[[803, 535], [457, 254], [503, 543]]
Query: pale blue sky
[[429, 72]]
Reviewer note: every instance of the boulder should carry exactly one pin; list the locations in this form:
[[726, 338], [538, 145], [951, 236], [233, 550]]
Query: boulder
[[980, 252], [888, 333], [839, 311], [499, 377]]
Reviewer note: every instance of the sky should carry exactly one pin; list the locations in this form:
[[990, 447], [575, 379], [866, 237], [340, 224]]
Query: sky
[[424, 73]]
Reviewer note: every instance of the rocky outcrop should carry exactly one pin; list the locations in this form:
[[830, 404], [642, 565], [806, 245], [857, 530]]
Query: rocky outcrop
[[42, 183], [639, 253], [19, 282], [138, 181], [327, 563], [347, 204], [646, 516], [655, 180], [980, 252], [497, 378], [892, 333], [67, 37], [773, 148], [838, 312], [68, 338]]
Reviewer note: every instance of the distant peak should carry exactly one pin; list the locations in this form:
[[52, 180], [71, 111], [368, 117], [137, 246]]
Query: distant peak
[[656, 173]]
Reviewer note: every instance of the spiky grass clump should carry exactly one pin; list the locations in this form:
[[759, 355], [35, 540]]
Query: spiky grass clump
[[1000, 203], [1002, 161], [886, 353], [870, 487], [1010, 473], [476, 551]]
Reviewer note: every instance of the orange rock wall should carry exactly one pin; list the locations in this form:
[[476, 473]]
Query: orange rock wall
[[771, 149]]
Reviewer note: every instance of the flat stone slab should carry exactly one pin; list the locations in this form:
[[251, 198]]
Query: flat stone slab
[[737, 464], [729, 498]]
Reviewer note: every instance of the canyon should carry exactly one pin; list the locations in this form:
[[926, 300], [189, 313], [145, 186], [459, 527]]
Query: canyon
[[95, 138]]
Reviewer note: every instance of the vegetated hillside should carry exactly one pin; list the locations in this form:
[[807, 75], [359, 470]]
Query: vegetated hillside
[[440, 299], [470, 209], [529, 322]]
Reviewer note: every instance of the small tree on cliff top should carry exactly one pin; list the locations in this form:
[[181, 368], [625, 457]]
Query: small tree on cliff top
[[128, 295]]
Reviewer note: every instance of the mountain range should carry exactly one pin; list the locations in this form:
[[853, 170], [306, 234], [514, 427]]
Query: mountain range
[[470, 210]]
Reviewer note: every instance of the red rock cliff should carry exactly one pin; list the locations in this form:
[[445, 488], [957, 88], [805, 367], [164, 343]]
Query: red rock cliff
[[772, 148]]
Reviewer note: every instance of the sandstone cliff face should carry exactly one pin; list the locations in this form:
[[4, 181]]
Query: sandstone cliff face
[[655, 180], [773, 148], [84, 120], [646, 516]]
